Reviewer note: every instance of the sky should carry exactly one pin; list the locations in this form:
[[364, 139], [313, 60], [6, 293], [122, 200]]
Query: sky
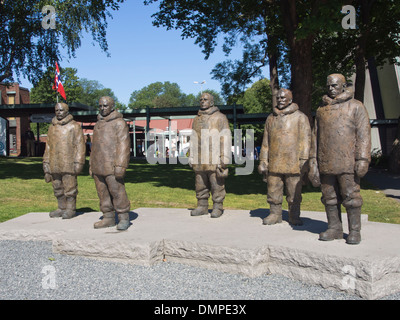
[[142, 54]]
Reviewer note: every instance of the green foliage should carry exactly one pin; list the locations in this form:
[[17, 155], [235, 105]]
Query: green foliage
[[42, 91], [165, 95], [239, 21], [43, 128], [305, 37], [218, 100], [92, 91], [256, 99], [87, 92], [26, 48]]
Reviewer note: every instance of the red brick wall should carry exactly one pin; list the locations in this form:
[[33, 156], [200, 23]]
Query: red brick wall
[[22, 96]]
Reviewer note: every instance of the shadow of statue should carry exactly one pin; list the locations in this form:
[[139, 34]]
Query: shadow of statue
[[309, 225]]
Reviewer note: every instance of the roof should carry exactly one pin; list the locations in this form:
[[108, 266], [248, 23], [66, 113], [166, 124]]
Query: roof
[[84, 113], [163, 124], [158, 113], [21, 110]]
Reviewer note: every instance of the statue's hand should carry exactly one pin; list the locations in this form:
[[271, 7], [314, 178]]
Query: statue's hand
[[303, 166], [119, 172], [361, 168], [46, 167], [313, 173], [47, 177], [222, 171], [263, 167], [78, 167]]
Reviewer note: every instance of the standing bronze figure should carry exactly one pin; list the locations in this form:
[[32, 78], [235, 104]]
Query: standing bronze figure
[[63, 160], [340, 156], [284, 156], [109, 160], [209, 160]]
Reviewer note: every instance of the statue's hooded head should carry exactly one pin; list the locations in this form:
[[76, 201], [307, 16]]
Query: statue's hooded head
[[106, 106], [336, 84]]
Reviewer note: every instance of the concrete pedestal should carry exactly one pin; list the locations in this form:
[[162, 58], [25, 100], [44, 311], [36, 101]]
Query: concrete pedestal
[[237, 242]]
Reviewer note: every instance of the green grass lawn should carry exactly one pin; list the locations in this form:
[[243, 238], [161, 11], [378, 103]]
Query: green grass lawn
[[23, 190]]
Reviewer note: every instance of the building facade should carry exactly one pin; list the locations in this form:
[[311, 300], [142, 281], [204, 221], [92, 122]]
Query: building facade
[[13, 129]]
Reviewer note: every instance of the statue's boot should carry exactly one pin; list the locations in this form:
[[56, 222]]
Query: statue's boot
[[202, 208], [217, 210], [123, 221], [335, 229], [275, 214], [107, 221], [294, 215], [354, 219], [62, 205], [70, 210]]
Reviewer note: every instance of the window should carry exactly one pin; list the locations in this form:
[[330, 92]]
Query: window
[[11, 99]]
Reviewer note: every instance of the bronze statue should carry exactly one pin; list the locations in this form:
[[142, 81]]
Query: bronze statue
[[109, 160], [340, 156], [63, 160], [209, 160], [284, 156]]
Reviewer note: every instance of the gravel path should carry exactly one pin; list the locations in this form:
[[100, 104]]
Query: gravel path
[[30, 270]]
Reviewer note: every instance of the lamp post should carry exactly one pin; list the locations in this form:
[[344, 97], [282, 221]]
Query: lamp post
[[201, 85]]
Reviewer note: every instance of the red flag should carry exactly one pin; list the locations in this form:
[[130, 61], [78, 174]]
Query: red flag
[[58, 86]]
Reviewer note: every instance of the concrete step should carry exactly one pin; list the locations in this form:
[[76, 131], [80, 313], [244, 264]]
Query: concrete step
[[237, 242]]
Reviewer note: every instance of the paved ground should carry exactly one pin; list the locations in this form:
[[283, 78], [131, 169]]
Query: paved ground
[[385, 181]]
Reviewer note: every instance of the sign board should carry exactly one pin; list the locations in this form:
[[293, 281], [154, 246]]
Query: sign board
[[42, 118]]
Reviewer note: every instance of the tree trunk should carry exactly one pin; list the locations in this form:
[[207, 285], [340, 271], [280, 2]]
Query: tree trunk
[[301, 69], [300, 58], [360, 61], [273, 76]]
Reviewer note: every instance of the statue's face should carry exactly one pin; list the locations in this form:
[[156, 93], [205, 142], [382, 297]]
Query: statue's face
[[61, 111], [335, 86], [283, 99], [105, 107], [206, 102]]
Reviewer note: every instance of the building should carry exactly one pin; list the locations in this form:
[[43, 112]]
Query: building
[[382, 100], [13, 129]]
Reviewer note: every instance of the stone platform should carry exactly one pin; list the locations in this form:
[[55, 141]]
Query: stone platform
[[237, 242]]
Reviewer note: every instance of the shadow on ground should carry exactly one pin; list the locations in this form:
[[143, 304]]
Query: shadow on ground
[[309, 225]]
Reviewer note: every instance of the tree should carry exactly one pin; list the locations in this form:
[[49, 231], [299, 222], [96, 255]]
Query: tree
[[93, 90], [256, 99], [377, 38], [159, 95], [87, 92], [42, 91], [26, 48], [267, 28], [293, 37], [218, 100]]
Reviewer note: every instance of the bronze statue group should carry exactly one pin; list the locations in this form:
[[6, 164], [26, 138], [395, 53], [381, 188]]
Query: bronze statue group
[[335, 154]]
